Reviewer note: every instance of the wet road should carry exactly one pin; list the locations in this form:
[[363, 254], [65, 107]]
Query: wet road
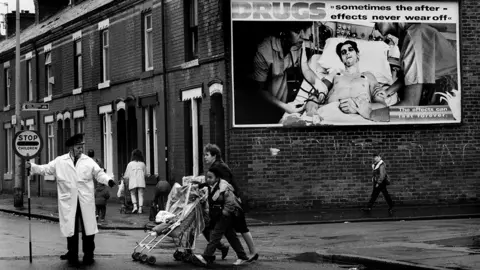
[[114, 248]]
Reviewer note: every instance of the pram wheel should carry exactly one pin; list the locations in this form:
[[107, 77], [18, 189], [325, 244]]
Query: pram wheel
[[151, 260], [136, 256], [144, 258]]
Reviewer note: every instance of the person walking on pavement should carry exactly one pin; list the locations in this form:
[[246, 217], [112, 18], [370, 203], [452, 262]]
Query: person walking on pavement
[[91, 154], [380, 181], [135, 174], [213, 157], [101, 197], [75, 173], [223, 206]]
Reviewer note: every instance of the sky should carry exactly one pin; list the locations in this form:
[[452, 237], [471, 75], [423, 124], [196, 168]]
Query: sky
[[12, 5]]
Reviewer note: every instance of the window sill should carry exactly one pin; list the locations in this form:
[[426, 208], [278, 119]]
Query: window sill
[[6, 108], [146, 74], [49, 177], [77, 91], [104, 84], [7, 176], [47, 99]]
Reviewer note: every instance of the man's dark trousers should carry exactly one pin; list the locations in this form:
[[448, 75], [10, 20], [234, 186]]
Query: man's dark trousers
[[382, 187], [88, 240]]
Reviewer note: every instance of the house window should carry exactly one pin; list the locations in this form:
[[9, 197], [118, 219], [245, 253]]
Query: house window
[[48, 74], [60, 138], [191, 11], [79, 126], [9, 157], [29, 81], [7, 80], [107, 143], [105, 56], [50, 142], [78, 63], [148, 41], [151, 144], [67, 133], [193, 131]]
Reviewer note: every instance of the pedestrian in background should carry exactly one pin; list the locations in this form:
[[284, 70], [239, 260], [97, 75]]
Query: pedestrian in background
[[91, 154], [75, 173], [101, 197], [135, 175], [380, 181]]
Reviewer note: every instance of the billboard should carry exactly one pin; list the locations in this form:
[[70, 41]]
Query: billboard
[[317, 63]]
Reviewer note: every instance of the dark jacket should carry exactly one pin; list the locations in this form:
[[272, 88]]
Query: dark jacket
[[101, 195], [222, 200], [380, 173]]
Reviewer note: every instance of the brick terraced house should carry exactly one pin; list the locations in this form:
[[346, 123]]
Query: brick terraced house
[[159, 75]]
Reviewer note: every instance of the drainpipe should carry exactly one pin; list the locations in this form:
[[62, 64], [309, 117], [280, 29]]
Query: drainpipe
[[165, 87], [37, 83]]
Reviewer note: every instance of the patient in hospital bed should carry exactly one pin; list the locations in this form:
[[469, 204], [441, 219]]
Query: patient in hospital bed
[[344, 88]]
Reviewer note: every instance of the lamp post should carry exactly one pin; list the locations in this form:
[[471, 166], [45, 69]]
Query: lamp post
[[18, 188]]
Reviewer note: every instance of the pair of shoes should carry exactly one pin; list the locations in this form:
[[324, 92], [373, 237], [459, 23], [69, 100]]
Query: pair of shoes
[[73, 261], [198, 260], [240, 262], [88, 260], [253, 258], [64, 257], [367, 209], [390, 211], [224, 251]]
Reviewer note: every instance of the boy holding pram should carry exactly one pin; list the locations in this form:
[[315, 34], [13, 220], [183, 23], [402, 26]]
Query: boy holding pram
[[223, 206]]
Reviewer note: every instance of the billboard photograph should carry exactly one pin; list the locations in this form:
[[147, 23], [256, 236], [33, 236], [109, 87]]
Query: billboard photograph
[[345, 63]]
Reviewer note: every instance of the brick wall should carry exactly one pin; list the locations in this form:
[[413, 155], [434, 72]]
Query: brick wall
[[330, 166]]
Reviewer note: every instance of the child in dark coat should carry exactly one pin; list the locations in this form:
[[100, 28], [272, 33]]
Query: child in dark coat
[[101, 197]]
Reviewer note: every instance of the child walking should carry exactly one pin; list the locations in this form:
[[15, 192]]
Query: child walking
[[101, 197]]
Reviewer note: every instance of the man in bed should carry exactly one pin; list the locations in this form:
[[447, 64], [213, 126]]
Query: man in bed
[[350, 89]]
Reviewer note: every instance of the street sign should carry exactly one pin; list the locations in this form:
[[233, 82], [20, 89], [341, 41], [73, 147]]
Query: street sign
[[27, 144], [30, 106]]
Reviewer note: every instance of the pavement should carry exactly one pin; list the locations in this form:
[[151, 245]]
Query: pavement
[[450, 241]]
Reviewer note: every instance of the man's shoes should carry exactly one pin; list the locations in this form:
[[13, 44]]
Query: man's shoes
[[390, 211], [64, 257], [240, 262], [366, 209], [253, 258], [73, 261], [224, 251], [88, 260]]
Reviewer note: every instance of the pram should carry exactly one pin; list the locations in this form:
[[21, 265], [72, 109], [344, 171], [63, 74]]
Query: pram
[[182, 221]]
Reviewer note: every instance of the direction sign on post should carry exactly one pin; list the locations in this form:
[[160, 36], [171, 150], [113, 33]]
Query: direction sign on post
[[27, 144], [30, 106]]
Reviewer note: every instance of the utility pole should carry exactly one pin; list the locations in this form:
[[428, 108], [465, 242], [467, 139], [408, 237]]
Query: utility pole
[[18, 189]]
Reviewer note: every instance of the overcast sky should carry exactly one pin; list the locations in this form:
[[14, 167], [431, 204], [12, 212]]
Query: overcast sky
[[9, 5]]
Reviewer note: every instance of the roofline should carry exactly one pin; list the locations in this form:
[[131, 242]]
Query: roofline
[[70, 27]]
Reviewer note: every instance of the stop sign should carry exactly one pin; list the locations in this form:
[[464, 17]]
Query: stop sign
[[27, 143]]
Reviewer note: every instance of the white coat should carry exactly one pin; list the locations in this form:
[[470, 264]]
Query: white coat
[[74, 184]]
